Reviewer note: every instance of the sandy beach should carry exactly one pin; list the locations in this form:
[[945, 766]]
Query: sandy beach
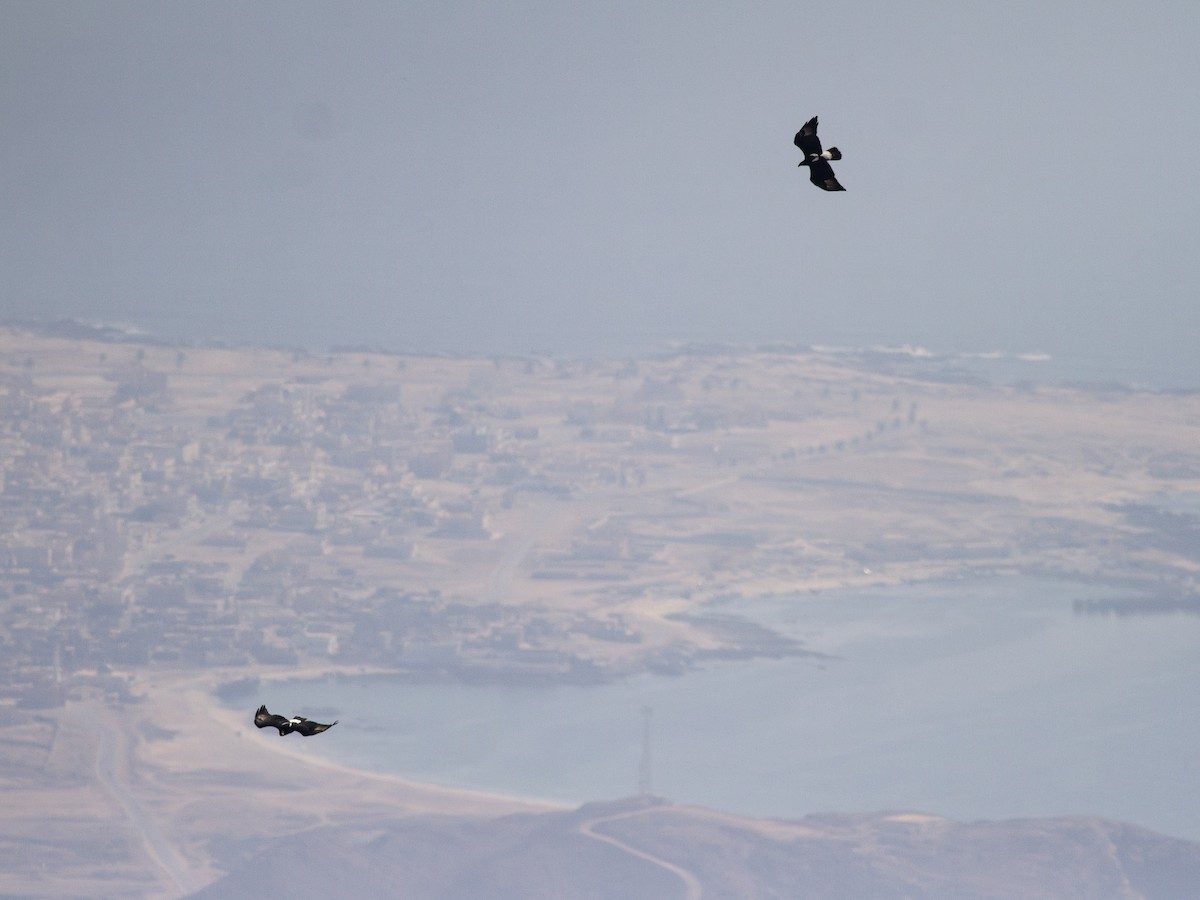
[[225, 735], [170, 782]]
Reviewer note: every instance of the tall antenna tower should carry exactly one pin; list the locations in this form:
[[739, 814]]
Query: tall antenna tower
[[645, 781]]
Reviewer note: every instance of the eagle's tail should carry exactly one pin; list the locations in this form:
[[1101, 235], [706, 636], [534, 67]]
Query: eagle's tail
[[832, 153]]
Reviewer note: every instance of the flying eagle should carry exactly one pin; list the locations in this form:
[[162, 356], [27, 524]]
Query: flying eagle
[[306, 727], [820, 172]]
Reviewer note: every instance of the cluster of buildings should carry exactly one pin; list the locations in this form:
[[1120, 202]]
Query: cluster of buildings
[[157, 513], [207, 507]]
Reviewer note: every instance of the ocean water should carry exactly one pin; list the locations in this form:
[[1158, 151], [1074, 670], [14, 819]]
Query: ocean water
[[975, 699]]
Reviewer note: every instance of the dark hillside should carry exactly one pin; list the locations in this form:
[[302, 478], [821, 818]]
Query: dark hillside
[[645, 849]]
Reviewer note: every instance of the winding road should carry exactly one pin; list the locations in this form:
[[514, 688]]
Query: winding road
[[693, 889]]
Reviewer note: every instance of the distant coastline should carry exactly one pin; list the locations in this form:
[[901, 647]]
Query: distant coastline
[[994, 366]]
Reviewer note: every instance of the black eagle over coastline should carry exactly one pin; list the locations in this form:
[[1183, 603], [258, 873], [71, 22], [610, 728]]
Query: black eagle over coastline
[[299, 724], [820, 172]]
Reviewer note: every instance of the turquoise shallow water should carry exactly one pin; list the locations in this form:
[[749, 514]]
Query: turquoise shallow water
[[975, 699]]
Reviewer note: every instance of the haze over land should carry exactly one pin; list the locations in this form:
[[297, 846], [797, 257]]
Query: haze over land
[[186, 517]]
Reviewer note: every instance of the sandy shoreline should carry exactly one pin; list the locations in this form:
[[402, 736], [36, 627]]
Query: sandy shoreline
[[179, 788], [234, 734], [202, 781]]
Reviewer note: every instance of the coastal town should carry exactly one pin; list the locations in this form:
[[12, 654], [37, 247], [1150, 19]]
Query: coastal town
[[183, 523], [179, 507]]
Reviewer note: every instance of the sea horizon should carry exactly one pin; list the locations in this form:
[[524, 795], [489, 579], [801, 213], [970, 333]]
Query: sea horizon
[[996, 366]]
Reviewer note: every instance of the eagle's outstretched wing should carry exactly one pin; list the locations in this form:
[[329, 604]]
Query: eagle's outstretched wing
[[821, 174], [264, 719], [807, 140], [308, 727]]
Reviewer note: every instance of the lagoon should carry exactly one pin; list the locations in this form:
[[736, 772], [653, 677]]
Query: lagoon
[[984, 698]]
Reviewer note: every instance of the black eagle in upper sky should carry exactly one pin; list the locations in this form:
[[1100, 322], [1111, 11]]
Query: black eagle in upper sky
[[820, 172], [306, 727]]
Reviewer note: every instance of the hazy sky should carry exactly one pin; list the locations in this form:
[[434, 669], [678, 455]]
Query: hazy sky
[[584, 177]]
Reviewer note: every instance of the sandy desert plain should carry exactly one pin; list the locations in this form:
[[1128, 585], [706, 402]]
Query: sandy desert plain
[[585, 498]]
